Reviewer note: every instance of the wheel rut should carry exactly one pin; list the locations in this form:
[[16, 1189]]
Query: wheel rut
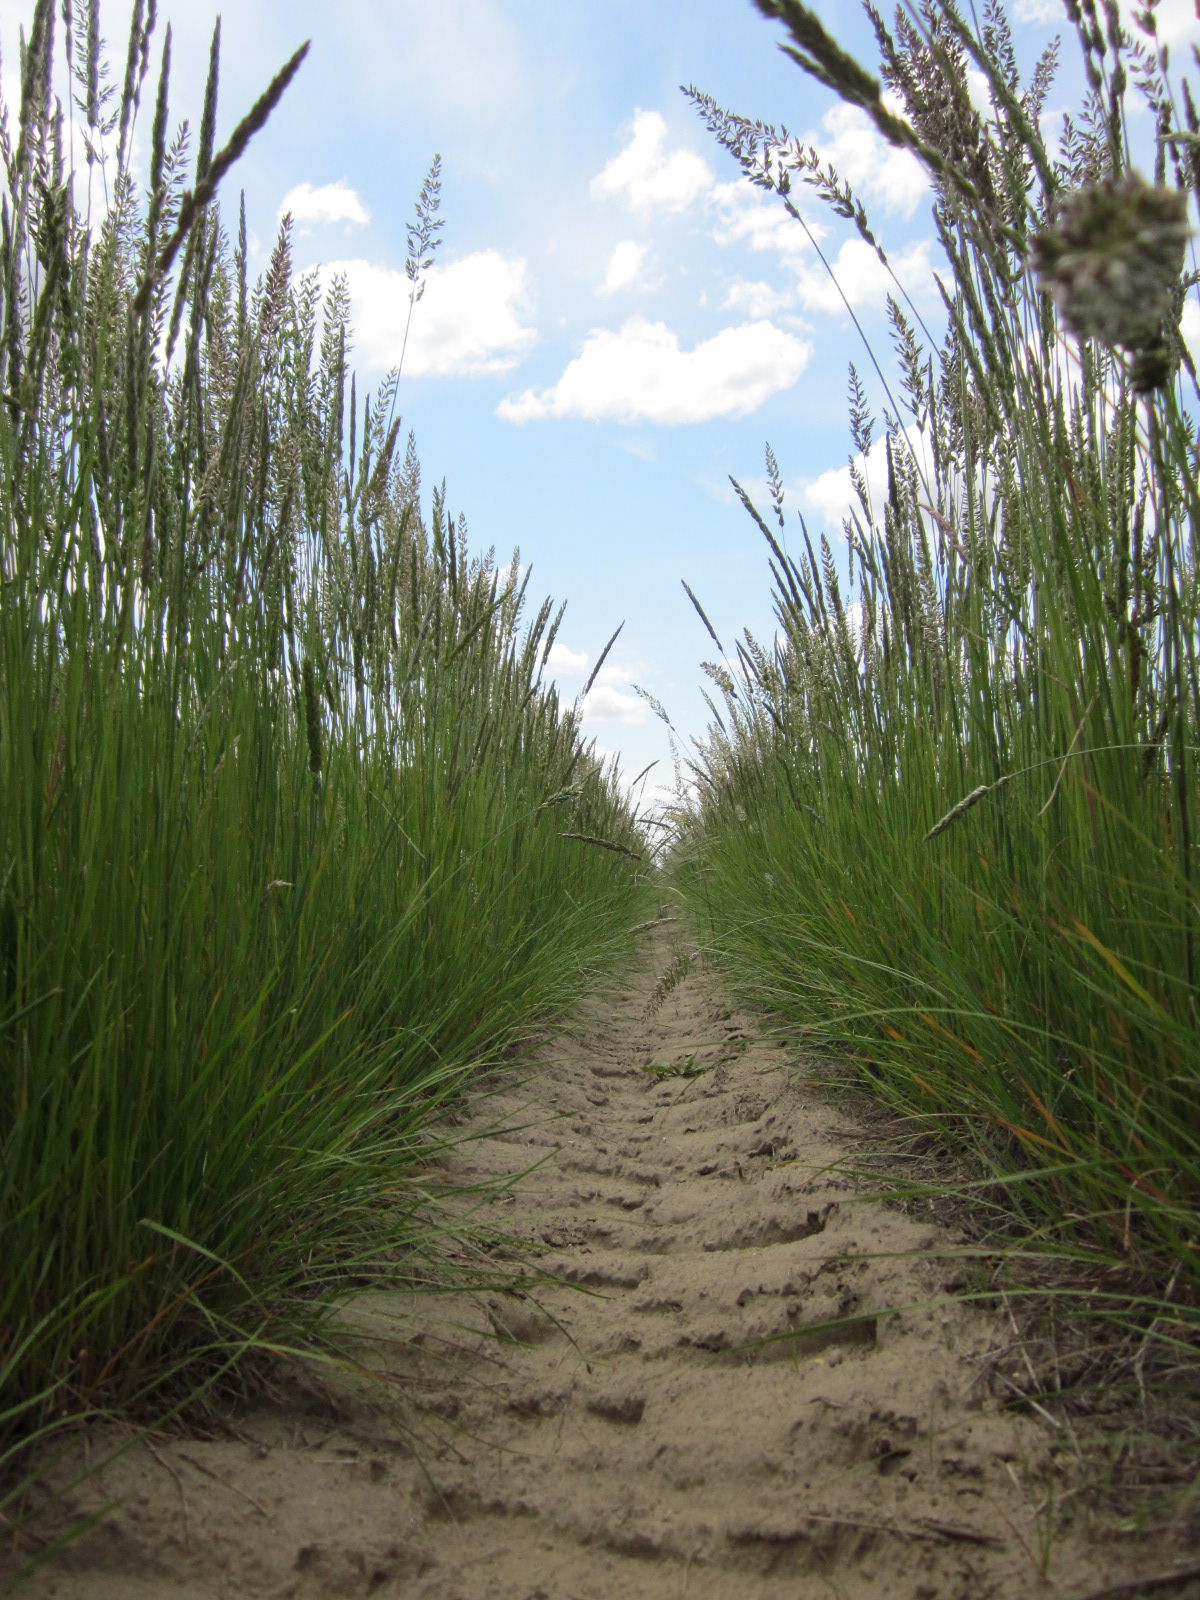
[[724, 1374]]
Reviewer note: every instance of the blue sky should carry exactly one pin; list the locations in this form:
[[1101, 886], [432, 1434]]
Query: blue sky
[[615, 323]]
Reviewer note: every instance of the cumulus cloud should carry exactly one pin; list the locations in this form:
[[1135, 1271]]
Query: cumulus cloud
[[757, 299], [470, 320], [331, 202], [651, 177], [648, 176], [980, 91], [833, 495], [1190, 326], [848, 139], [612, 699], [862, 277], [872, 167], [641, 373], [744, 215], [1176, 21], [571, 663], [625, 268], [606, 704]]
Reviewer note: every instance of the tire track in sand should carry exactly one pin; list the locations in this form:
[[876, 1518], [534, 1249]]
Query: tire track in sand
[[638, 1439]]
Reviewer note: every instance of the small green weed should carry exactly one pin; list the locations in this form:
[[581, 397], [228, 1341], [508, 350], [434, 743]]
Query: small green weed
[[674, 1069]]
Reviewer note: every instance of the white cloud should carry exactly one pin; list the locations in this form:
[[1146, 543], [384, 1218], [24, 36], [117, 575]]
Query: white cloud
[[606, 704], [649, 175], [470, 319], [641, 372], [331, 202], [571, 663], [625, 267], [833, 496], [862, 277], [747, 216], [861, 156], [980, 91], [618, 675], [1190, 326], [611, 698], [757, 299], [873, 168], [1176, 20], [649, 178]]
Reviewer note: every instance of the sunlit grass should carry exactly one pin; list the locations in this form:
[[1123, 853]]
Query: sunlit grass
[[293, 834], [946, 822]]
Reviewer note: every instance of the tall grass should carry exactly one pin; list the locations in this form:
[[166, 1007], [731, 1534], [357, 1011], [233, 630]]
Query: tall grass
[[286, 807], [947, 821]]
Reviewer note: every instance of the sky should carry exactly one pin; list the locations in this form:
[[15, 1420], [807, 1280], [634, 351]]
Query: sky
[[615, 323]]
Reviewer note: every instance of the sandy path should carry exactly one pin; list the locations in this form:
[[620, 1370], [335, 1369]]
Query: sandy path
[[630, 1444]]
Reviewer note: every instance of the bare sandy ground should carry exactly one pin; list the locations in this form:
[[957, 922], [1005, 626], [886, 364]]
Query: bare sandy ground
[[676, 1418]]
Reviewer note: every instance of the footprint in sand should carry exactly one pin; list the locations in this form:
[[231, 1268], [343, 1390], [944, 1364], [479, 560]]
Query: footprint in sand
[[712, 1401]]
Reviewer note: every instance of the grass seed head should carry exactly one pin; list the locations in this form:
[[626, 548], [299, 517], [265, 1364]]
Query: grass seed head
[[312, 719], [1112, 259]]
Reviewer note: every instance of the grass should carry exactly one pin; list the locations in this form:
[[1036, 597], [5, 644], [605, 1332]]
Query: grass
[[946, 822], [687, 1068], [294, 838]]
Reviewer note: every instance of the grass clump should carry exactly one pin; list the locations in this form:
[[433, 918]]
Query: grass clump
[[293, 835], [687, 1068], [947, 821]]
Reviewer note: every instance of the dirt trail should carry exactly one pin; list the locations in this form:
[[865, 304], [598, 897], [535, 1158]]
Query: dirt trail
[[636, 1440]]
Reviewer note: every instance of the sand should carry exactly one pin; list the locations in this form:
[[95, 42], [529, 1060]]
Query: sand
[[675, 1418]]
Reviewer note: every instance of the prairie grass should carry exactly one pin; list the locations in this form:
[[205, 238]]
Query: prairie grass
[[946, 822], [293, 834]]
